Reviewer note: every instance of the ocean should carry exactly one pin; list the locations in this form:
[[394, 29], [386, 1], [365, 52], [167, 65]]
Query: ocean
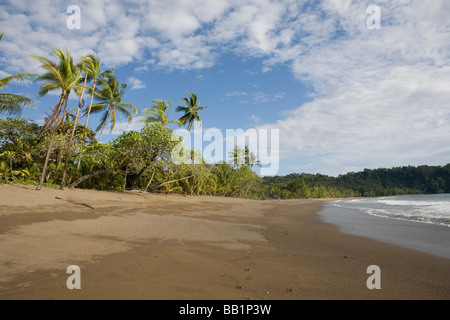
[[433, 209], [419, 222]]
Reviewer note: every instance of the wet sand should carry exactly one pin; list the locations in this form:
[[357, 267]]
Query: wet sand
[[429, 238], [144, 246]]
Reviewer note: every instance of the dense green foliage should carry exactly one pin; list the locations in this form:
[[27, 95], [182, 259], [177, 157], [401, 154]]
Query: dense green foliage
[[367, 183], [143, 161], [133, 161]]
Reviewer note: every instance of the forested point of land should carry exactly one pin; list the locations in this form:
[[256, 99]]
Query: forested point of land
[[368, 183], [142, 161]]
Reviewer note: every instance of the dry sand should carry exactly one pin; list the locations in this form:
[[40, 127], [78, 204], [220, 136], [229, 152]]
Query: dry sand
[[143, 246]]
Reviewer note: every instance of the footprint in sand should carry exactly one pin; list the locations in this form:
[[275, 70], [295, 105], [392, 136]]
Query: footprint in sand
[[24, 284]]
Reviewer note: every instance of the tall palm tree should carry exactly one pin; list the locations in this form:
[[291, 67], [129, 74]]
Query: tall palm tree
[[12, 103], [240, 157], [159, 113], [190, 111], [250, 158], [93, 69], [237, 157], [82, 68], [110, 96], [64, 76]]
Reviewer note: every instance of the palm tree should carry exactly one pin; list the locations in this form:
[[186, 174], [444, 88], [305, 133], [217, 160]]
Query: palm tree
[[239, 157], [82, 68], [110, 96], [12, 103], [64, 76], [190, 111], [250, 158], [159, 112], [93, 69]]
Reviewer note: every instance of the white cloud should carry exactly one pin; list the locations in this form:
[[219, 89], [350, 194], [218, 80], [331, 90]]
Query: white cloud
[[255, 97], [381, 96], [135, 83], [254, 118], [237, 94], [124, 126], [176, 33]]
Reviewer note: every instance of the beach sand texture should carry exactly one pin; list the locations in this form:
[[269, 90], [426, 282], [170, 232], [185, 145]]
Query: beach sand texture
[[146, 246]]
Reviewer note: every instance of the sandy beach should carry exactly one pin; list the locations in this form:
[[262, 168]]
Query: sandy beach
[[147, 246]]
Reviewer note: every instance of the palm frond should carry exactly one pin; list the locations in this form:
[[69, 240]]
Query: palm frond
[[103, 121], [17, 77], [12, 104], [129, 107], [99, 107]]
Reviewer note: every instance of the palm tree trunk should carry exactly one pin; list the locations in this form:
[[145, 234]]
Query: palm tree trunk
[[185, 135], [11, 168], [89, 176], [150, 181], [87, 122], [232, 178], [47, 158], [104, 124], [59, 156], [90, 105], [125, 183], [69, 146], [167, 182], [50, 147]]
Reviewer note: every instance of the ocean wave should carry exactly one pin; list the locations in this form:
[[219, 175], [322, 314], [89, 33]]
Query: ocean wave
[[425, 209]]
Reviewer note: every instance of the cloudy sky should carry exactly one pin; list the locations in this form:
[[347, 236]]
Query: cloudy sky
[[344, 96]]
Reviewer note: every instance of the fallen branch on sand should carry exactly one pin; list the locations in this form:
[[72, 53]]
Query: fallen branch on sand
[[76, 202]]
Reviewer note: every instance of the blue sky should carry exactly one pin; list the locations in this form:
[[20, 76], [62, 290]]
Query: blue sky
[[343, 97]]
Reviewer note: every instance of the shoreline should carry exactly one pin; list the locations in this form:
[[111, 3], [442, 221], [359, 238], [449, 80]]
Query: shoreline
[[170, 247], [424, 237]]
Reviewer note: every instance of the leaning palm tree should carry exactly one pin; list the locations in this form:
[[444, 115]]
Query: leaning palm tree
[[190, 111], [64, 76], [82, 68], [12, 103], [159, 113], [110, 96], [93, 70]]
